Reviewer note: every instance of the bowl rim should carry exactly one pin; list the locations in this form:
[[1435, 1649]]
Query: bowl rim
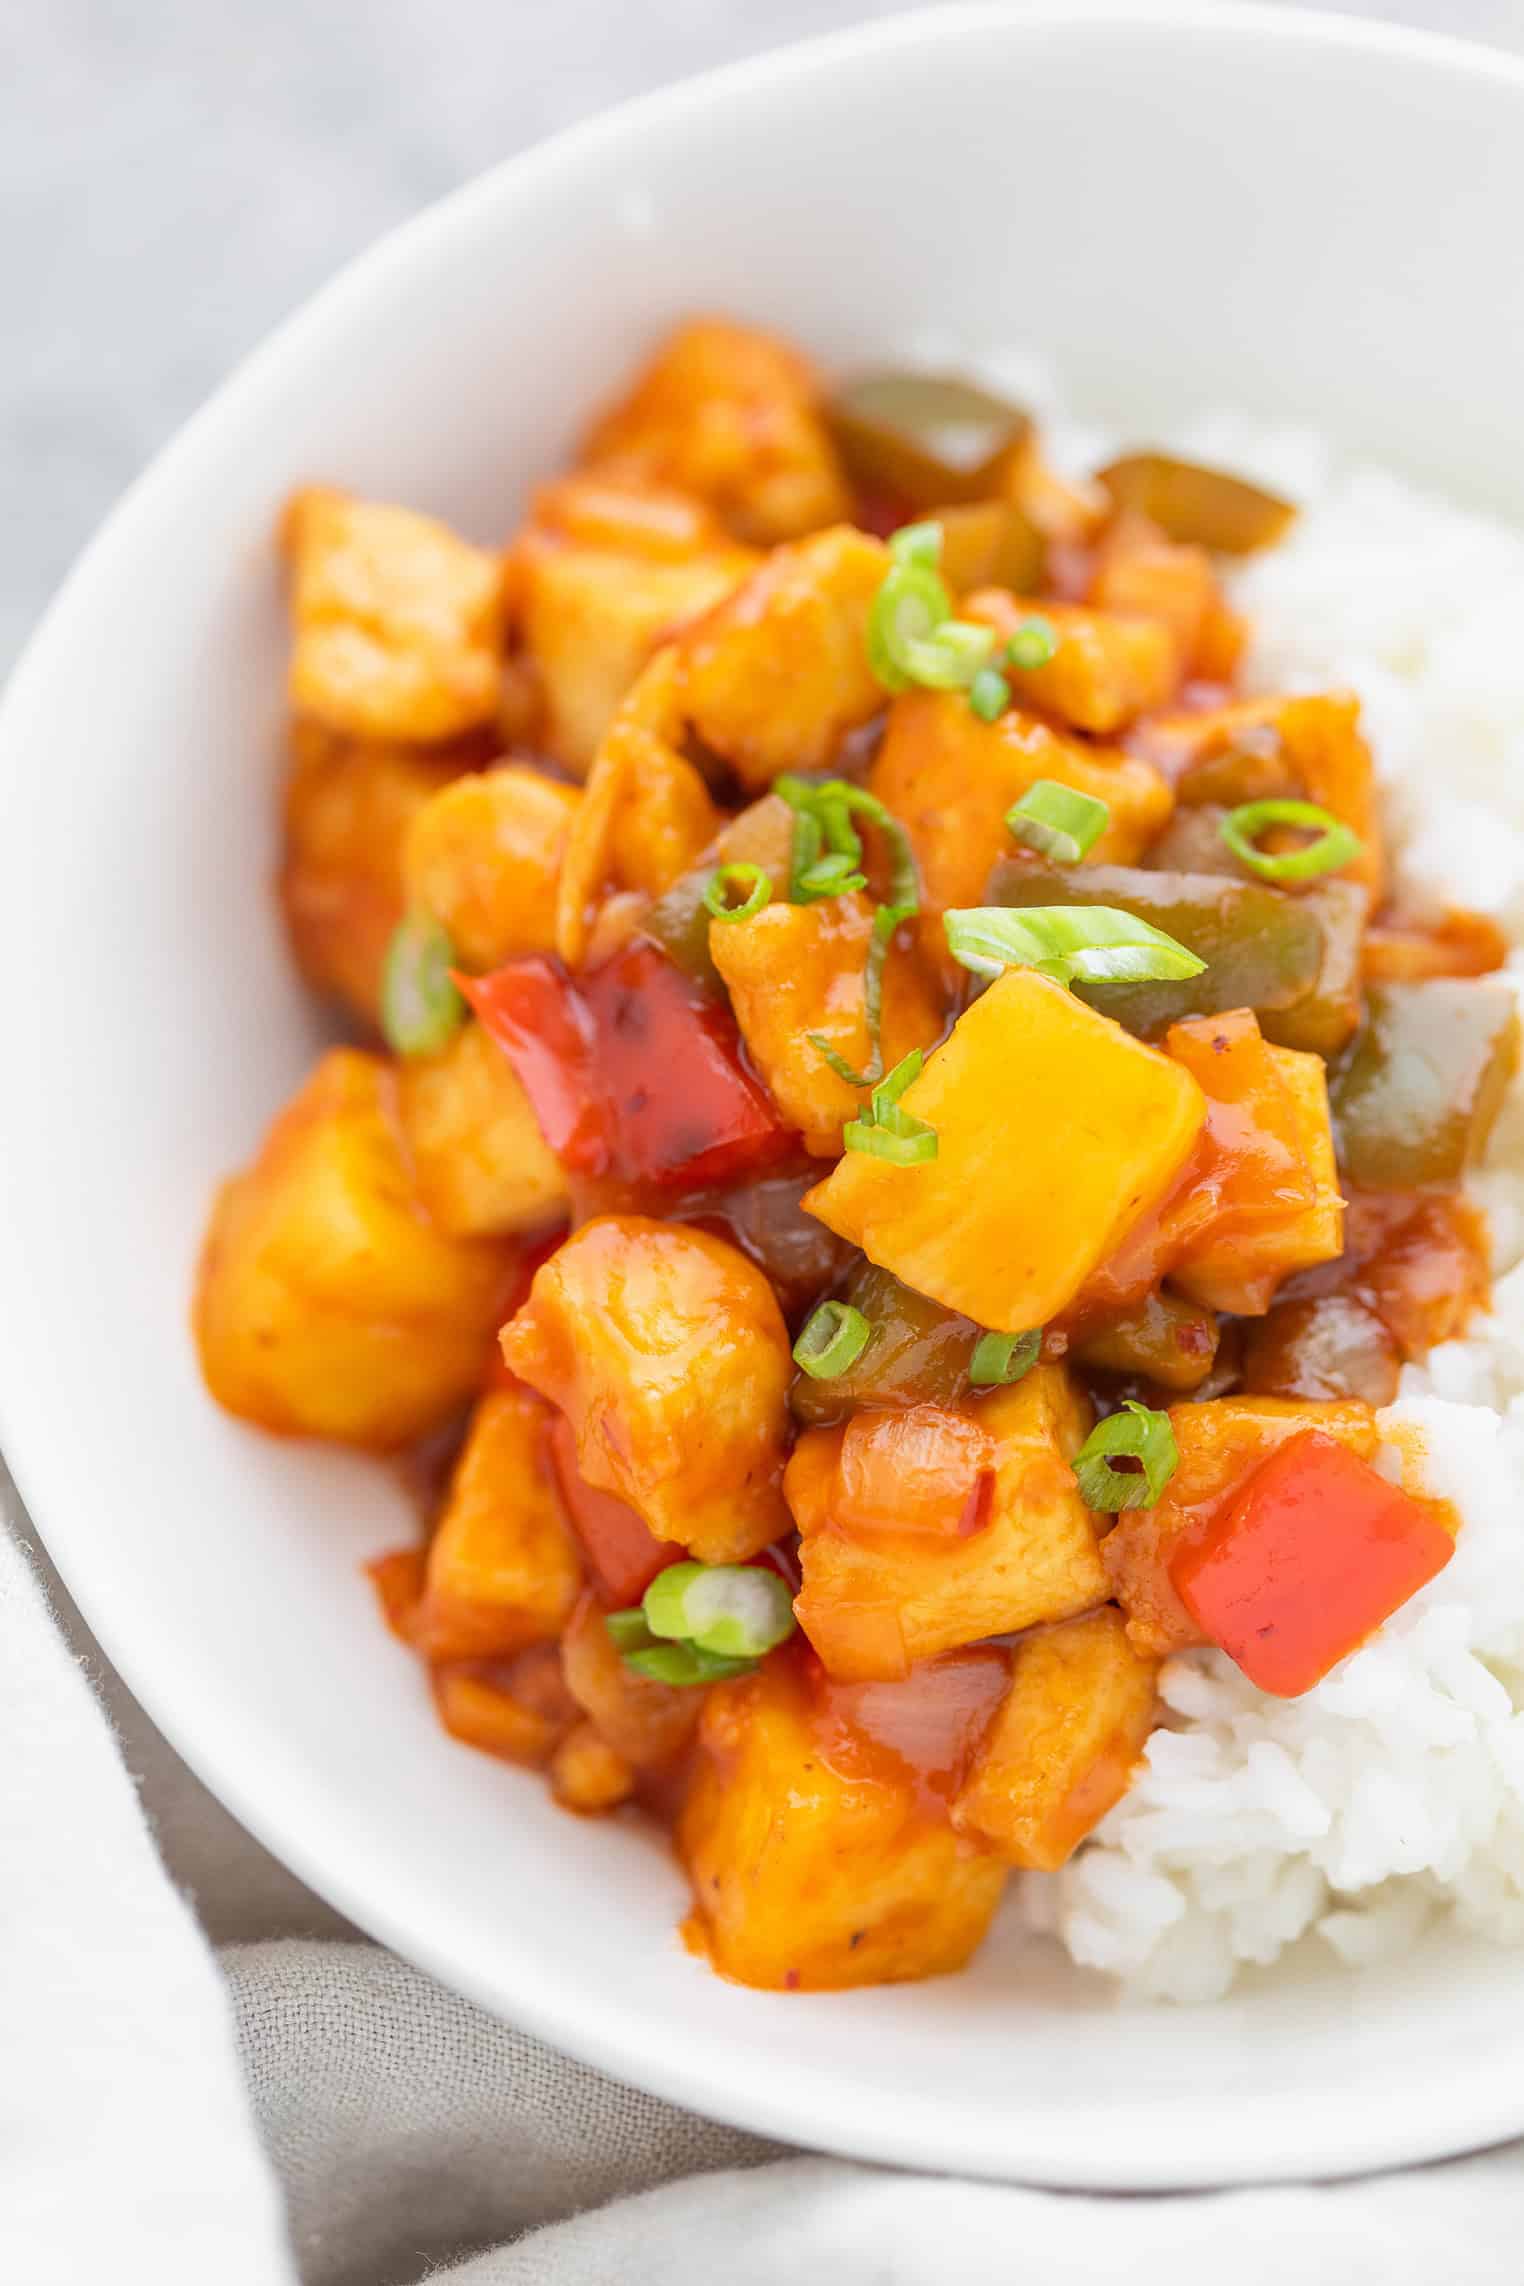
[[689, 2074]]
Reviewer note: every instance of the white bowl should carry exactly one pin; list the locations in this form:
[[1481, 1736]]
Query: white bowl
[[1309, 217]]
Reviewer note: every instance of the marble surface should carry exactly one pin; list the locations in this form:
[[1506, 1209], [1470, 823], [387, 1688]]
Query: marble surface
[[174, 178]]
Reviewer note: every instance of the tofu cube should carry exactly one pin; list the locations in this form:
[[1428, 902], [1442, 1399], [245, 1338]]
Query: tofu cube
[[1015, 1544], [1105, 671], [327, 1304], [481, 1165], [811, 1872], [503, 1568], [1056, 1132], [666, 1350], [484, 856], [1062, 1750]]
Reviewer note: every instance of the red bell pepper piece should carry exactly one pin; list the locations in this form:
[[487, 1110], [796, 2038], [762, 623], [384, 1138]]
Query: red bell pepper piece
[[1314, 1553], [631, 1073], [621, 1547]]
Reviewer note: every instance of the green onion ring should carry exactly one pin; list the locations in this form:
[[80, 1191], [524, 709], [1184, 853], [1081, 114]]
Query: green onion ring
[[1136, 1433], [1335, 846], [834, 1339]]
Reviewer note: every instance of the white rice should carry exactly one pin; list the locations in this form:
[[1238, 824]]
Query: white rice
[[1394, 1791]]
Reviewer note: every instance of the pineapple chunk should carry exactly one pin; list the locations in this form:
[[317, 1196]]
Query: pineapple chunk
[[731, 415], [1062, 1750], [1105, 671], [1221, 1444], [503, 1568], [794, 970], [882, 1591], [811, 1871], [1056, 1132], [775, 677], [349, 809], [950, 778], [1270, 1165], [482, 1167], [484, 857], [603, 574], [399, 624], [327, 1305], [667, 1352]]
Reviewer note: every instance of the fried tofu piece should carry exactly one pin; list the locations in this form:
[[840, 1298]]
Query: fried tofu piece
[[327, 1303], [1306, 745], [1106, 670], [1269, 1171], [646, 1723], [1013, 1544], [586, 1775], [481, 1166], [775, 676], [503, 1568], [1056, 1132], [812, 1871], [732, 415], [349, 807], [798, 970], [484, 856], [646, 814], [1063, 1748], [1221, 1443], [1143, 575], [666, 1350], [603, 575], [950, 779], [398, 623]]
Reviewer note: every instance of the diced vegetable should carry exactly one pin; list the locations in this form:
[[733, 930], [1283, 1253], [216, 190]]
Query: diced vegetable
[[421, 1006], [503, 1567], [1220, 1442], [1420, 1262], [832, 1342], [667, 1352], [1294, 960], [398, 624], [1194, 503], [951, 779], [762, 835], [1268, 1165], [622, 1549], [631, 1072], [775, 676], [1162, 1338], [1104, 671], [1009, 1234], [1416, 1099], [1127, 1459], [812, 1871], [925, 438], [797, 976], [735, 1611], [482, 1167], [1403, 949], [989, 543], [1309, 1559], [1332, 1347], [349, 808], [732, 415], [327, 1304], [917, 1353], [1062, 1750], [925, 1529], [1258, 749], [1252, 830], [764, 1217], [485, 854]]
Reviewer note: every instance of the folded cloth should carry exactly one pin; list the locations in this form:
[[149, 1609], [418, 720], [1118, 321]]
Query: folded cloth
[[408, 2131]]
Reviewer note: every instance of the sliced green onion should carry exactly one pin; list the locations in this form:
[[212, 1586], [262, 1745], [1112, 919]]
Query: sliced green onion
[[833, 1340], [885, 921], [913, 637], [421, 1008], [1335, 845], [1085, 944], [627, 1629], [1061, 822], [885, 1131], [1136, 1434], [989, 694], [730, 1611], [1000, 1358], [831, 876], [684, 1663], [1033, 643], [749, 881]]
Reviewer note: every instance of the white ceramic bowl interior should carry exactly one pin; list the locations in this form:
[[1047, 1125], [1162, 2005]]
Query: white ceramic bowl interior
[[1313, 219]]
